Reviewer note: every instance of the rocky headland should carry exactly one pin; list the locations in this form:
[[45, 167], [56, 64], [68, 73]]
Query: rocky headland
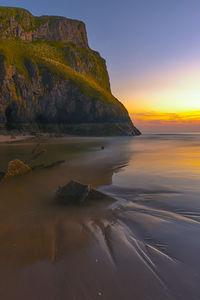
[[50, 80]]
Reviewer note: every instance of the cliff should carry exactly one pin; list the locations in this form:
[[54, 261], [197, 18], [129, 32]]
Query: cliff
[[51, 80], [18, 23]]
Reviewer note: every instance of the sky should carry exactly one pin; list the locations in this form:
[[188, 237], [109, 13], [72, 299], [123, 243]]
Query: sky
[[152, 49]]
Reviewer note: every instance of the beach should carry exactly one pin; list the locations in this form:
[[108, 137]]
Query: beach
[[144, 245], [13, 138]]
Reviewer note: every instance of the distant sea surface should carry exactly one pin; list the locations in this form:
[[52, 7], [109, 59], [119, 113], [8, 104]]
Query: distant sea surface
[[143, 246]]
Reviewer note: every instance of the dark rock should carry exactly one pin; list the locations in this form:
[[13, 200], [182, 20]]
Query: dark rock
[[73, 192], [2, 174], [79, 194]]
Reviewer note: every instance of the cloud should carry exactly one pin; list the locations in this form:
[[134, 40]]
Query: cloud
[[161, 121]]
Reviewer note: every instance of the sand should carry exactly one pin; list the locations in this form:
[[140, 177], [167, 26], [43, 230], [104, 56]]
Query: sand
[[11, 138], [144, 246]]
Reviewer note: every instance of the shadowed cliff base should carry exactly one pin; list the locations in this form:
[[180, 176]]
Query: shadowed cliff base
[[84, 129], [49, 75]]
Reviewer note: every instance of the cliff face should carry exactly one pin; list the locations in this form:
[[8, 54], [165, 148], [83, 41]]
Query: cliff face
[[51, 80], [17, 23]]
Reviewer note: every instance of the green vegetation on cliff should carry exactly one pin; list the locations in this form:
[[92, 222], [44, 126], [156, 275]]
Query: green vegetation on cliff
[[54, 56]]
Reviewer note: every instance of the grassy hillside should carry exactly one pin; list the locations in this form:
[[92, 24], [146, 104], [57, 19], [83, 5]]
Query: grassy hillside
[[55, 56]]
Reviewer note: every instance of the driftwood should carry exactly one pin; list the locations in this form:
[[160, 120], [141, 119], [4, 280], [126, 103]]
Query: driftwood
[[43, 166], [35, 156], [54, 164], [40, 166], [17, 167], [36, 148]]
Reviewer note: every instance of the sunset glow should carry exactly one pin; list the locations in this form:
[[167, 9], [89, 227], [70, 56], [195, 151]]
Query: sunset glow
[[166, 100], [167, 122]]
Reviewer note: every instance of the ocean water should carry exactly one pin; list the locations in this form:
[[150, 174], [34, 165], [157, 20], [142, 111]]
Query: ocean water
[[145, 245]]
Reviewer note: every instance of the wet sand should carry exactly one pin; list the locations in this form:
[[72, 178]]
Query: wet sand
[[143, 246], [12, 138]]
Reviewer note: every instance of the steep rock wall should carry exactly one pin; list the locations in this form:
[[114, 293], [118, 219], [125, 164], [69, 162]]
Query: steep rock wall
[[17, 23]]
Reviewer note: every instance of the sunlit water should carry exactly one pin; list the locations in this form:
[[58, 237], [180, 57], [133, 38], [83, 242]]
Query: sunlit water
[[145, 245]]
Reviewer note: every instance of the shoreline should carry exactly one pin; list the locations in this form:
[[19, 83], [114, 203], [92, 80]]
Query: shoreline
[[49, 138], [13, 138]]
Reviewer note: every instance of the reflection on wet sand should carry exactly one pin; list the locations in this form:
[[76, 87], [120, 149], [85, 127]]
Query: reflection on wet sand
[[143, 246]]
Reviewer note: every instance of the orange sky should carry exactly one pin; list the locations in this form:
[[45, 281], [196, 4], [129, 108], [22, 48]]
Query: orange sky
[[167, 122], [168, 99]]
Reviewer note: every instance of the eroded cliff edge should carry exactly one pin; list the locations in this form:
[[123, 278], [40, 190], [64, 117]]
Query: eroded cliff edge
[[51, 80]]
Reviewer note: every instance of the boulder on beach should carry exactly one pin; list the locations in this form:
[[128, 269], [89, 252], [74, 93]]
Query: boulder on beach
[[79, 194], [73, 192], [15, 168]]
